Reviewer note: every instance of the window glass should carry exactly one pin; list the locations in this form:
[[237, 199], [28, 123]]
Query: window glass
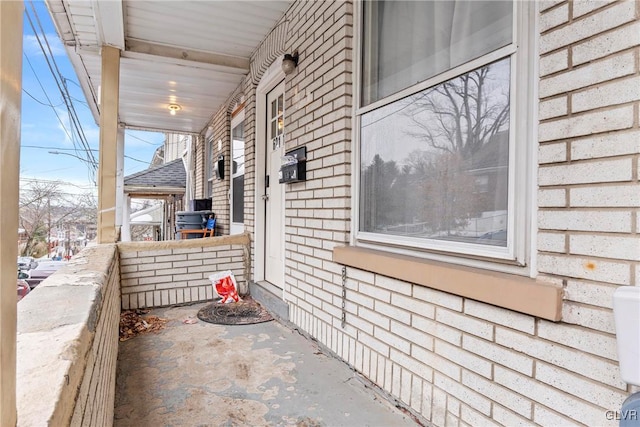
[[406, 42], [237, 173], [209, 160], [434, 165]]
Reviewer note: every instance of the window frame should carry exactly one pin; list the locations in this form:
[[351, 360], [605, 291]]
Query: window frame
[[237, 119], [209, 150], [516, 256]]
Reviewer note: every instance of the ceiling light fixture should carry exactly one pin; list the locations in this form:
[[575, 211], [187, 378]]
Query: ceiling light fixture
[[173, 108]]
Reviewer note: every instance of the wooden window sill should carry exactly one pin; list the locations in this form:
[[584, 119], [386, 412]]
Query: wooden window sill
[[510, 291]]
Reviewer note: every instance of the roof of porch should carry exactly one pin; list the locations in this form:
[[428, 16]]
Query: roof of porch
[[192, 54]]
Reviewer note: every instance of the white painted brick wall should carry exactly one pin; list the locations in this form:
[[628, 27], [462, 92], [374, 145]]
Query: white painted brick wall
[[605, 246], [597, 294], [449, 359], [554, 17], [587, 124], [551, 198], [609, 43], [582, 7], [589, 26], [582, 77], [552, 153], [621, 91], [585, 220], [554, 62], [606, 145], [585, 268], [551, 397], [180, 273], [605, 196], [553, 107], [551, 242]]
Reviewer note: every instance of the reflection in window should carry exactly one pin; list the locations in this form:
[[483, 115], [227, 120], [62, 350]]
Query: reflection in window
[[434, 165], [209, 156], [237, 174]]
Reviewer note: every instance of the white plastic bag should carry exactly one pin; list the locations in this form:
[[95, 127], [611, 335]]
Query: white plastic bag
[[225, 286]]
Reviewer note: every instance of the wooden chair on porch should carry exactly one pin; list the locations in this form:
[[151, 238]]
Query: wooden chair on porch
[[208, 231]]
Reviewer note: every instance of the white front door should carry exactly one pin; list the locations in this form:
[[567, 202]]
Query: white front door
[[274, 191]]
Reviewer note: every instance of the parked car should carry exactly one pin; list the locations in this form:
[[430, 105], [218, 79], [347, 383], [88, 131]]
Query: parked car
[[43, 270], [26, 263], [23, 289]]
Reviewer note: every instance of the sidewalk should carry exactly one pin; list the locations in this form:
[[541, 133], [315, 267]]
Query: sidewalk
[[264, 374]]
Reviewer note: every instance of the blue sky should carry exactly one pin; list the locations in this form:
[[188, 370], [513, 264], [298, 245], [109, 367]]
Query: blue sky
[[45, 119]]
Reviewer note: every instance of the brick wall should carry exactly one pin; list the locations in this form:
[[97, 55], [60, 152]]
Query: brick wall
[[96, 397], [156, 274], [66, 372], [220, 197], [450, 359], [453, 360], [318, 102]]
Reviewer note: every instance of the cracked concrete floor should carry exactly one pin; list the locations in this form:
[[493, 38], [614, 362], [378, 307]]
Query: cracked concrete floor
[[265, 374]]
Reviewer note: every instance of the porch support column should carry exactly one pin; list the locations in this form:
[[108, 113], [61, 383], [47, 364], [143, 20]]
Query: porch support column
[[120, 197], [107, 172], [10, 104], [125, 231]]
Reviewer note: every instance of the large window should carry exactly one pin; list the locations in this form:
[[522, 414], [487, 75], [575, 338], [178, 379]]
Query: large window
[[209, 151], [436, 127], [236, 183], [237, 175]]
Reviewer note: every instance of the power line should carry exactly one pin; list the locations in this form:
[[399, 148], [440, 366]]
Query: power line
[[140, 139], [62, 87], [55, 181], [40, 147], [40, 102], [47, 96]]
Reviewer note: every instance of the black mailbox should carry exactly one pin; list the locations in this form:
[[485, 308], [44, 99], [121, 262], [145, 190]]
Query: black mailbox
[[295, 168]]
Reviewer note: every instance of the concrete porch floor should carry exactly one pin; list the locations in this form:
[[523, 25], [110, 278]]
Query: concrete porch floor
[[264, 374]]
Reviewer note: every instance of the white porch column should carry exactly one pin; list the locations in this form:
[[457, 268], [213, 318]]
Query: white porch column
[[125, 231], [109, 99], [10, 104], [120, 179]]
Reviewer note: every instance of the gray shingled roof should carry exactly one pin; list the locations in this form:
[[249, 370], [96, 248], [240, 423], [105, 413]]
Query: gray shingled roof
[[171, 174]]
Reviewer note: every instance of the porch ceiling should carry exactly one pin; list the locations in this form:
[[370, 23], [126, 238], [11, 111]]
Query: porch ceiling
[[190, 53]]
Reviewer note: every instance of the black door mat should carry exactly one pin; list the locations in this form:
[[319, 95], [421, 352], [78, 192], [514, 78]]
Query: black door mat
[[245, 312]]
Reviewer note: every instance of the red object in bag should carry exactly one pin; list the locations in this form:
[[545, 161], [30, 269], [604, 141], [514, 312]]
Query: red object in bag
[[226, 289], [224, 284]]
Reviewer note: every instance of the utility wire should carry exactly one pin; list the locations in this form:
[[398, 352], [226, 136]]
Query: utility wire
[[48, 99], [140, 139], [40, 102], [40, 147], [62, 87]]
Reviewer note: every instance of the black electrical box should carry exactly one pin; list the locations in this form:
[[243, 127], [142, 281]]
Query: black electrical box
[[201, 205], [294, 167]]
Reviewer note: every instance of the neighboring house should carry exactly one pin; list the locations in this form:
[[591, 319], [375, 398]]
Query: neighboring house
[[166, 182], [146, 224], [387, 96]]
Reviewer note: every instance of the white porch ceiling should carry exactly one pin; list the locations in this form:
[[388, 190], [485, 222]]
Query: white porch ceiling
[[190, 53]]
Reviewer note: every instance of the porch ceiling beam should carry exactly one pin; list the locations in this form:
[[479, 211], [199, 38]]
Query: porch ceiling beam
[[110, 22], [143, 47]]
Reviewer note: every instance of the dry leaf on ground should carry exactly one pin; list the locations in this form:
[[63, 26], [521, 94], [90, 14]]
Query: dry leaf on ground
[[132, 323]]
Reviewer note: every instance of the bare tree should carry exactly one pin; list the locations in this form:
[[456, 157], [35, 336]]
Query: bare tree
[[44, 205], [461, 115], [459, 122]]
